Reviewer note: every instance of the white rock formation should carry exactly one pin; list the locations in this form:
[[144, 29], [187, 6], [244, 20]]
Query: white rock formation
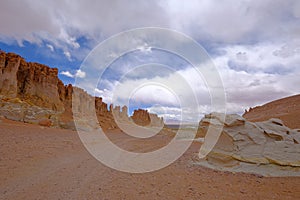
[[260, 143]]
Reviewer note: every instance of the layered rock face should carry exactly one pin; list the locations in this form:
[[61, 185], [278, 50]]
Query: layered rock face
[[155, 120], [286, 109], [28, 91], [120, 114], [18, 110], [90, 112], [9, 65], [260, 143], [33, 93], [144, 118], [31, 82], [141, 117]]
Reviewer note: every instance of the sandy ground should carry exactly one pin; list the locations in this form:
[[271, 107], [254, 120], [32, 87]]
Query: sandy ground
[[48, 163]]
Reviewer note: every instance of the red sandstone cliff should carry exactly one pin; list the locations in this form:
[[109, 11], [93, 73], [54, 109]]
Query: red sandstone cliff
[[33, 93], [144, 118], [141, 117], [32, 82]]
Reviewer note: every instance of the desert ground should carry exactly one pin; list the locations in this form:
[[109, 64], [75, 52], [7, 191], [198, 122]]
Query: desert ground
[[47, 163]]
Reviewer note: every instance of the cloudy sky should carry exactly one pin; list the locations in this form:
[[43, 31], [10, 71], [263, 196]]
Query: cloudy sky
[[255, 46]]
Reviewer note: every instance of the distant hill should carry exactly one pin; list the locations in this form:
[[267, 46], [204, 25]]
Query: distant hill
[[286, 109]]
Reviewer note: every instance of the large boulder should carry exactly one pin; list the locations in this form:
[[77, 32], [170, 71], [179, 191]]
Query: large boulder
[[268, 142], [18, 110]]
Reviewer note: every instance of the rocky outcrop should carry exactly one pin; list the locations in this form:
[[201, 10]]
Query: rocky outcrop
[[9, 65], [156, 121], [79, 102], [17, 110], [286, 109], [120, 114], [144, 118], [34, 83], [38, 84], [141, 117], [33, 93], [28, 91], [260, 143]]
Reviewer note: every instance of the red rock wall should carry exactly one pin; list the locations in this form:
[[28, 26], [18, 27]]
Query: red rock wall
[[9, 65], [32, 82], [38, 87], [141, 117]]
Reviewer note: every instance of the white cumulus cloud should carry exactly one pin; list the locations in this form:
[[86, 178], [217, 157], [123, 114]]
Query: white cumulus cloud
[[77, 74]]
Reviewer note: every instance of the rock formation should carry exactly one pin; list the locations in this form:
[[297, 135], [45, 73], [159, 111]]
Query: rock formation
[[120, 115], [28, 91], [33, 93], [144, 118], [124, 113], [9, 65], [260, 143], [141, 117], [156, 121], [31, 82], [286, 109], [18, 110]]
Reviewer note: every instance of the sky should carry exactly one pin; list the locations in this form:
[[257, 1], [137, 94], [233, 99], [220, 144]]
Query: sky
[[254, 45]]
